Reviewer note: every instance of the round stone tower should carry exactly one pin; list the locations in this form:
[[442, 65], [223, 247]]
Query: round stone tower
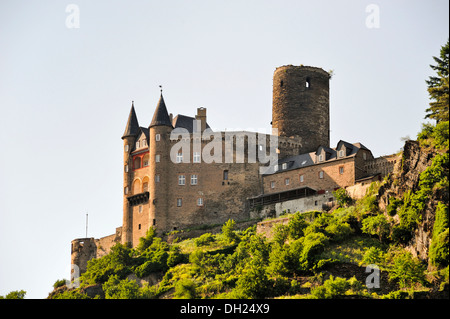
[[301, 105]]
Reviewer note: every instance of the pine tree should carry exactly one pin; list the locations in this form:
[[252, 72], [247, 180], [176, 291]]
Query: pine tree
[[438, 87]]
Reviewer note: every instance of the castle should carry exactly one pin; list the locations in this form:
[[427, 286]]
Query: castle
[[178, 173]]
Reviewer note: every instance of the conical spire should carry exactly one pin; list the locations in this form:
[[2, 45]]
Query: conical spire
[[161, 117], [132, 128]]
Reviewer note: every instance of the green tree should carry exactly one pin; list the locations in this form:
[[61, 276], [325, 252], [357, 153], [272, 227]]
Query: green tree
[[405, 269], [185, 289], [115, 288], [438, 87], [228, 231], [342, 197], [376, 225], [17, 294], [439, 250]]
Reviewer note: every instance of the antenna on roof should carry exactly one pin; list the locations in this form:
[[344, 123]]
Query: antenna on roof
[[86, 224]]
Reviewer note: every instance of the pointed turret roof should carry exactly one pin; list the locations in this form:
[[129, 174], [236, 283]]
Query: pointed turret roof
[[132, 128], [161, 117]]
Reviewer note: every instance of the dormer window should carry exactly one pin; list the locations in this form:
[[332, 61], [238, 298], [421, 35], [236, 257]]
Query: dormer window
[[284, 166], [320, 158], [137, 144], [144, 142], [275, 168], [341, 153]]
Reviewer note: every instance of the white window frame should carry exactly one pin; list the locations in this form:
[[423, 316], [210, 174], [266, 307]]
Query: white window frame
[[127, 148], [321, 174], [200, 201], [137, 144], [179, 202], [181, 180], [158, 137], [287, 181], [284, 166], [194, 179], [320, 158], [341, 153], [302, 178], [157, 158], [197, 157], [272, 184], [179, 158], [157, 178]]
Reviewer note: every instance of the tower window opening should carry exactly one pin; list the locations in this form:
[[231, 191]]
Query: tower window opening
[[281, 83], [308, 83]]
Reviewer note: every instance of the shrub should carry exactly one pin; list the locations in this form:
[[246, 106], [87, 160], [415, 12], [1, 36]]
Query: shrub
[[313, 244], [59, 283], [342, 197], [439, 251], [145, 242], [405, 269], [394, 203], [118, 262], [175, 256], [228, 231], [296, 226], [335, 287], [204, 240], [17, 294], [115, 288], [254, 283], [185, 289], [376, 225], [373, 255], [280, 233]]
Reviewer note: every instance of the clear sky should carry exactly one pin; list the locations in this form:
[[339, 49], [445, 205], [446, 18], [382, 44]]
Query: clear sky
[[65, 95]]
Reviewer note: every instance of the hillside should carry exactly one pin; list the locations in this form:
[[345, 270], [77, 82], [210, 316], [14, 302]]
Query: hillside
[[401, 226]]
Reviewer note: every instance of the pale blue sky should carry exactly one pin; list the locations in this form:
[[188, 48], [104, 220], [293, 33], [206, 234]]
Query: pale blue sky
[[65, 95]]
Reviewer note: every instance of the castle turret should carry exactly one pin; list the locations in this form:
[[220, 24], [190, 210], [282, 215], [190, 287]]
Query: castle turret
[[159, 136], [129, 139], [301, 105]]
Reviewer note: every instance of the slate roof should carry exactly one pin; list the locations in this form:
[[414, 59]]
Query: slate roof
[[185, 122], [161, 117], [308, 159], [132, 128]]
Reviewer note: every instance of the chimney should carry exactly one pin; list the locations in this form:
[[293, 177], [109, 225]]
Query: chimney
[[201, 115]]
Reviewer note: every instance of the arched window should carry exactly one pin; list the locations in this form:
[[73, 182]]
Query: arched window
[[137, 163], [308, 83], [145, 160], [145, 184], [136, 186]]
